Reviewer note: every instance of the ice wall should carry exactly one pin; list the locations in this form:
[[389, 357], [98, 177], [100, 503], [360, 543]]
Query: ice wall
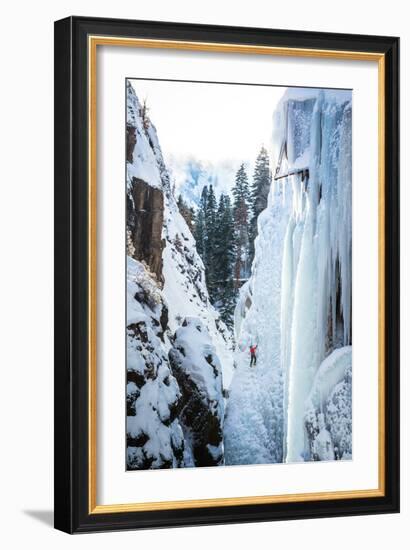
[[317, 318], [297, 305]]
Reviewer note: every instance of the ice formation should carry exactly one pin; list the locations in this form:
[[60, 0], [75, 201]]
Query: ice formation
[[297, 304], [328, 406]]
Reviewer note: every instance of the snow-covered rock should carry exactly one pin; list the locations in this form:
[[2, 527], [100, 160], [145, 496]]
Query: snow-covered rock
[[161, 237], [185, 288], [166, 285], [198, 372], [154, 435]]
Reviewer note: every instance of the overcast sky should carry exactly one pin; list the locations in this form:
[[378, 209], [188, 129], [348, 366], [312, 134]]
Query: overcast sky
[[211, 122]]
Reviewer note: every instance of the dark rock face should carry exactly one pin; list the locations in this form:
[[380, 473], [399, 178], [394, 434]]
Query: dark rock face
[[201, 401], [131, 142], [174, 419], [154, 434], [197, 418], [145, 216]]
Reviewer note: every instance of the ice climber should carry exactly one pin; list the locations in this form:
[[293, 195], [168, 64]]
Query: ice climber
[[252, 349]]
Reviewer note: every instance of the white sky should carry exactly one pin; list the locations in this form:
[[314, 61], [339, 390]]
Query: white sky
[[211, 122]]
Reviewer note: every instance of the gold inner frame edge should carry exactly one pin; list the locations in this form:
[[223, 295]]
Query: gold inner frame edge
[[93, 42]]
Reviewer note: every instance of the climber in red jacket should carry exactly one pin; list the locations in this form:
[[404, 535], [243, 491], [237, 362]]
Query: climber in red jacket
[[252, 349]]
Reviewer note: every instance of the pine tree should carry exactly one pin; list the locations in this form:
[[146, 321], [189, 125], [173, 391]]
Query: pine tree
[[224, 234], [200, 229], [215, 241], [210, 229], [210, 212], [224, 259], [205, 223], [242, 201], [262, 179], [186, 212], [204, 198], [241, 192]]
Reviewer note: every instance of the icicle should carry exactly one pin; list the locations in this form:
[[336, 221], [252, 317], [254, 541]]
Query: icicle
[[304, 361], [286, 314]]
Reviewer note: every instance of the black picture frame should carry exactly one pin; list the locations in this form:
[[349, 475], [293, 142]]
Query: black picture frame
[[71, 417]]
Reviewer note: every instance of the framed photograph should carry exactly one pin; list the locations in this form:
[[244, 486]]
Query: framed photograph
[[226, 274]]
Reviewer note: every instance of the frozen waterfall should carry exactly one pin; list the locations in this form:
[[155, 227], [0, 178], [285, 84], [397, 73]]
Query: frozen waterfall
[[297, 304]]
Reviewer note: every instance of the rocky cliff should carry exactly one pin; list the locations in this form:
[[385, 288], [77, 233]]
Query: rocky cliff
[[197, 369], [145, 216], [154, 434], [172, 419]]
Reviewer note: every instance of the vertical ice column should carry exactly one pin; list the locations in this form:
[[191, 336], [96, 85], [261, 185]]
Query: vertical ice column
[[303, 361], [321, 269]]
